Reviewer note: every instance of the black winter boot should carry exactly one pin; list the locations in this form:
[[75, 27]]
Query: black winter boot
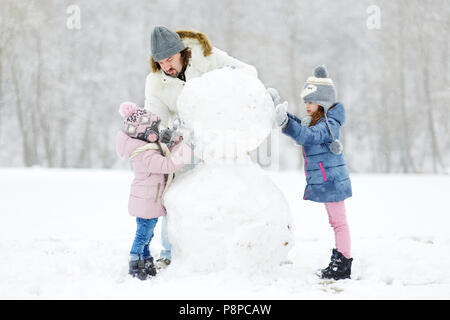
[[137, 269], [339, 268], [149, 267]]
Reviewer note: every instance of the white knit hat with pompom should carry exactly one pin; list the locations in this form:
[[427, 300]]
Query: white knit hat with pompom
[[319, 89]]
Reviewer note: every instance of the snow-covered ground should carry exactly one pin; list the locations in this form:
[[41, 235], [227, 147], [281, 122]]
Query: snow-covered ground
[[65, 234]]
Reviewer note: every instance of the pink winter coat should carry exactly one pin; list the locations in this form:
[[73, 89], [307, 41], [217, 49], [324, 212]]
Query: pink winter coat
[[149, 167]]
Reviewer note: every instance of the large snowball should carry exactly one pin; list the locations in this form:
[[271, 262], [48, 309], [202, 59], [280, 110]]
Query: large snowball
[[229, 111], [227, 214], [229, 217]]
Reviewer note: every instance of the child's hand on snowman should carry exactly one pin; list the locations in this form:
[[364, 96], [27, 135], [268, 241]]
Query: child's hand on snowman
[[280, 108], [274, 95], [174, 135], [177, 136], [182, 131], [186, 135], [281, 117], [166, 136]]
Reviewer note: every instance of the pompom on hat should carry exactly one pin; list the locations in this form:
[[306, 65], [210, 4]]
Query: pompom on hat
[[126, 109], [321, 72], [139, 123]]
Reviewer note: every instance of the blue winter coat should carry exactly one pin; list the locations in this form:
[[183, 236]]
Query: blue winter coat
[[327, 176]]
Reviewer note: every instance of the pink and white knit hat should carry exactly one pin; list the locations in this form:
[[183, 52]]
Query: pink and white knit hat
[[139, 123]]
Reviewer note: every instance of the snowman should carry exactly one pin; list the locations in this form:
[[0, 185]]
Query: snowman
[[226, 213]]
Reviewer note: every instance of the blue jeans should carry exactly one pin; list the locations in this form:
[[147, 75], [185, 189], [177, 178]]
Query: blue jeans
[[166, 251], [144, 234]]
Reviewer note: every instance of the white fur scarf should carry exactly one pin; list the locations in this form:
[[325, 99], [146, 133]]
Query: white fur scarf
[[154, 146]]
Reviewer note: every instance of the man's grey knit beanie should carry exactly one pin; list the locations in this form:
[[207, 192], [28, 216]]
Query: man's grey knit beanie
[[319, 89], [165, 43]]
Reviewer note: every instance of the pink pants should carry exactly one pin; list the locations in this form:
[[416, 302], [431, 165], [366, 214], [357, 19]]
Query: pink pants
[[338, 221]]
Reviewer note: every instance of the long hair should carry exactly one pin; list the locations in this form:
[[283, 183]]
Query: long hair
[[316, 116], [186, 55], [319, 114]]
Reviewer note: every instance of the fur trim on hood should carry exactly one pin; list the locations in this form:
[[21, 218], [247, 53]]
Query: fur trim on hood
[[200, 37]]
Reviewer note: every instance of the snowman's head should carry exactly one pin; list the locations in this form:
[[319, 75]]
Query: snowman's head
[[229, 111]]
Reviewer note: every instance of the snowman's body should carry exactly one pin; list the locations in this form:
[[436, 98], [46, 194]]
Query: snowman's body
[[227, 213]]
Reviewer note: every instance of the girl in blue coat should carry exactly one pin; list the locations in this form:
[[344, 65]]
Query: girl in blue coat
[[327, 176]]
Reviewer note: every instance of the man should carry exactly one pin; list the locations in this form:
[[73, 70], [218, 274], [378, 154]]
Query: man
[[175, 58]]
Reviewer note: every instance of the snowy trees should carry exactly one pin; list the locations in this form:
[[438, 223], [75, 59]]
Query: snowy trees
[[60, 87], [410, 51]]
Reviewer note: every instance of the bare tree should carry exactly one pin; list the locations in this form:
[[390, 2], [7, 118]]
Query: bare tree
[[56, 83]]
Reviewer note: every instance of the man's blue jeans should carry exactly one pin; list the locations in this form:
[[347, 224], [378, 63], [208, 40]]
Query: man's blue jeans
[[166, 251], [144, 234]]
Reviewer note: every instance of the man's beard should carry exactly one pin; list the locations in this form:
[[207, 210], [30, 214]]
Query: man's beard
[[172, 75]]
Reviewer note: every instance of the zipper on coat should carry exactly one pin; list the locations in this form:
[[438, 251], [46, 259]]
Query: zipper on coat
[[157, 192], [323, 171], [306, 161]]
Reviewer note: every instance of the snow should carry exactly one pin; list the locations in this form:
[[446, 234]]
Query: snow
[[239, 217], [235, 214], [66, 234], [238, 110]]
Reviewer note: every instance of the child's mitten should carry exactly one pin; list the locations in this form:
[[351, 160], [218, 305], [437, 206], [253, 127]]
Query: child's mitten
[[165, 136], [274, 95], [281, 117]]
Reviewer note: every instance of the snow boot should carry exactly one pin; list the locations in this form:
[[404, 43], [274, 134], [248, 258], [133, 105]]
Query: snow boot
[[162, 263], [149, 267], [137, 269], [339, 268]]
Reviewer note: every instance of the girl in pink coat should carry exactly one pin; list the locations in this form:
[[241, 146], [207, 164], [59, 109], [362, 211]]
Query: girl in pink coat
[[154, 156]]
